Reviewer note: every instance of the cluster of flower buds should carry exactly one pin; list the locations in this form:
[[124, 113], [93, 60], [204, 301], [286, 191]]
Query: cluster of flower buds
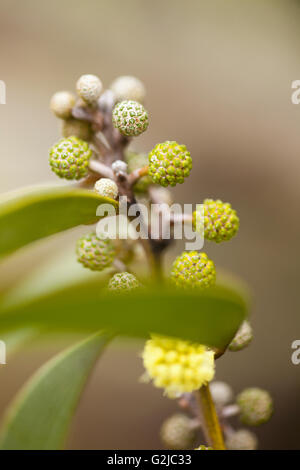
[[253, 406], [97, 127]]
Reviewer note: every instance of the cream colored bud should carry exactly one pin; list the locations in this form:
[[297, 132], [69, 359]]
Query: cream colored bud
[[89, 88], [61, 104]]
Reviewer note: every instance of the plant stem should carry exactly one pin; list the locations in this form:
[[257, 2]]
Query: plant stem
[[211, 425]]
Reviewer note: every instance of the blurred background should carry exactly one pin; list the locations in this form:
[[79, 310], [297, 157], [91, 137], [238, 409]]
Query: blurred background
[[218, 76]]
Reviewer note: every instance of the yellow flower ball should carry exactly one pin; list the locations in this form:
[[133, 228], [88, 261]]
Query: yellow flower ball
[[177, 366]]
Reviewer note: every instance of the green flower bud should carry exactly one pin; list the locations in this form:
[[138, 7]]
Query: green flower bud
[[193, 270], [242, 440], [107, 188], [135, 161], [169, 163], [69, 158], [128, 88], [95, 253], [256, 406], [221, 392], [242, 338], [76, 128], [177, 432], [89, 88], [221, 222], [61, 104], [130, 118], [123, 282]]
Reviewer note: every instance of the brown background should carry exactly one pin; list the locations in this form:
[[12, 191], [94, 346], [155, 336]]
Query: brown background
[[218, 77]]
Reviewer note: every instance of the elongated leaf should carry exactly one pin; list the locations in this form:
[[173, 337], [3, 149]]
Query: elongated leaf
[[40, 416], [210, 317], [30, 214]]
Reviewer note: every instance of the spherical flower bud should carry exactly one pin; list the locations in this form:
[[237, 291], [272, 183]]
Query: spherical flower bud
[[123, 282], [242, 338], [130, 117], [221, 392], [256, 406], [135, 161], [89, 88], [169, 163], [95, 253], [128, 88], [177, 366], [242, 440], [221, 222], [119, 167], [202, 447], [69, 158], [193, 270], [177, 432], [61, 104], [76, 128], [107, 188]]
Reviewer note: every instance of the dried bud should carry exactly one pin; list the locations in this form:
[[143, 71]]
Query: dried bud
[[61, 104], [107, 188], [119, 167], [177, 432], [256, 406], [128, 88], [89, 88], [242, 440], [222, 393]]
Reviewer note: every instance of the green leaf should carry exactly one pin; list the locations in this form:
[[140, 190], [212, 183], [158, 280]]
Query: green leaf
[[39, 417], [210, 317], [30, 214]]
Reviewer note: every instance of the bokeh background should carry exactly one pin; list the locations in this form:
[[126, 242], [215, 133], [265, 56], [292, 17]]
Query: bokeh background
[[218, 76]]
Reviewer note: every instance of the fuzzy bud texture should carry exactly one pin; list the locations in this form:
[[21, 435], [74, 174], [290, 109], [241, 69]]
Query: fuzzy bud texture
[[95, 253], [61, 104], [119, 167], [193, 270], [242, 338], [177, 366], [89, 88], [256, 406], [221, 222], [242, 440], [69, 158], [128, 88], [221, 392], [130, 118], [169, 163], [76, 128], [123, 282], [107, 188], [177, 432]]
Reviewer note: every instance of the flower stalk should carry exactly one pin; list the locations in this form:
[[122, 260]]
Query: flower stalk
[[211, 426]]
